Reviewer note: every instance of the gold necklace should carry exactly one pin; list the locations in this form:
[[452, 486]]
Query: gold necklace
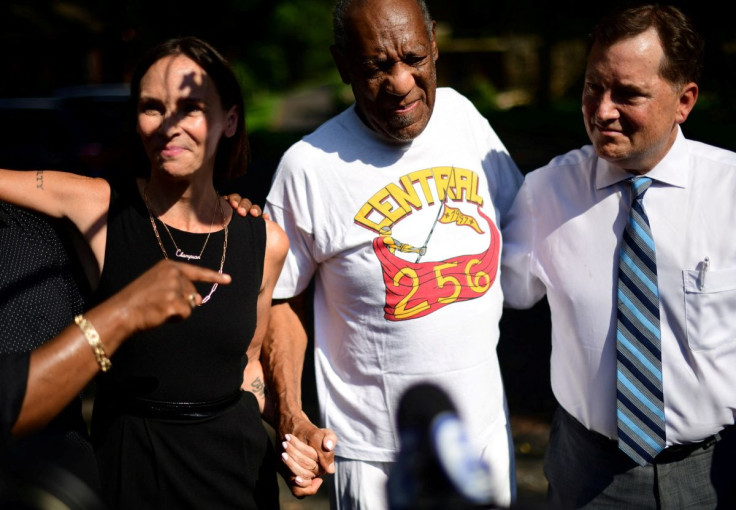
[[179, 252], [166, 255]]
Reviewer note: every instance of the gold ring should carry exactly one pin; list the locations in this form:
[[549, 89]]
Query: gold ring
[[192, 300]]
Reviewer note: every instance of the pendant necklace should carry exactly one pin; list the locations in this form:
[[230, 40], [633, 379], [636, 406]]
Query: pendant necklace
[[179, 252]]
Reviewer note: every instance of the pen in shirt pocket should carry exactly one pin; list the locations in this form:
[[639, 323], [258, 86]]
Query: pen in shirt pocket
[[704, 266]]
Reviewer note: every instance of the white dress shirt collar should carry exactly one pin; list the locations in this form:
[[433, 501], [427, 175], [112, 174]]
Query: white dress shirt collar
[[673, 170]]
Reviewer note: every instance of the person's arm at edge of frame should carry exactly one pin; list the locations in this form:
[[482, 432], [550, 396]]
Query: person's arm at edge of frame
[[59, 370]]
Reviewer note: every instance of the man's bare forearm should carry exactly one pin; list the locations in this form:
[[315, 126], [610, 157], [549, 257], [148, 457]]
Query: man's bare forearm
[[283, 360]]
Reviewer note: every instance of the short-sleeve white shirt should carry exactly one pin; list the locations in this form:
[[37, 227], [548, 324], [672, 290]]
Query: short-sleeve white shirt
[[404, 245]]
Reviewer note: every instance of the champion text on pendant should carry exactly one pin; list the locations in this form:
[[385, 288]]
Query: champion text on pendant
[[183, 255]]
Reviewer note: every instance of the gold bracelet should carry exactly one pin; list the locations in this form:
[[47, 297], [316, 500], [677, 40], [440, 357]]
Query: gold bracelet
[[93, 338]]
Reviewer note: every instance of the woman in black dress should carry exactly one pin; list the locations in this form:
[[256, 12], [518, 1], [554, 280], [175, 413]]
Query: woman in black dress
[[171, 426]]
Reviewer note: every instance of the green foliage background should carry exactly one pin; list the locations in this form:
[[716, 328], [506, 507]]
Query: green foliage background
[[277, 47]]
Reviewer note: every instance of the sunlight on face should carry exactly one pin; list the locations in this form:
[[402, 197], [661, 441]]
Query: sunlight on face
[[390, 64], [180, 117], [631, 113]]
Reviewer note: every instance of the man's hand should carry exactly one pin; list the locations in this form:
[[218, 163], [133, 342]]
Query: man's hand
[[59, 369], [164, 292], [322, 440], [244, 206]]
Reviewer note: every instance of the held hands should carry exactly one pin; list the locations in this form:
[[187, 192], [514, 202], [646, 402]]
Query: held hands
[[164, 292], [308, 453]]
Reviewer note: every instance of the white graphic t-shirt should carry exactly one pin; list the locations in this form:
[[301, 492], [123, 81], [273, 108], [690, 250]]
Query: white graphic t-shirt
[[404, 245]]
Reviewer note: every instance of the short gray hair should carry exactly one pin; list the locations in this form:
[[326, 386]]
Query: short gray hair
[[338, 20]]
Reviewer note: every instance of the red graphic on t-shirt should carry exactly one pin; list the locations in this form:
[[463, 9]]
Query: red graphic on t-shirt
[[417, 289]]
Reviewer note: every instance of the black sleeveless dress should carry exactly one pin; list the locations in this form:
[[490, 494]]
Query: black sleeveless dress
[[170, 426]]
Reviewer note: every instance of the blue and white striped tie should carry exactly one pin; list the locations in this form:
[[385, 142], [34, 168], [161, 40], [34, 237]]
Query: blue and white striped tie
[[640, 401]]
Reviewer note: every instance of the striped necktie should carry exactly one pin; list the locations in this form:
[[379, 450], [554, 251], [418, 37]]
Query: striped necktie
[[640, 401]]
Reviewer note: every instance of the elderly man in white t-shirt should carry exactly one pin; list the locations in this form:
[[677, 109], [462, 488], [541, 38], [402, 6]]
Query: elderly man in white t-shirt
[[394, 208]]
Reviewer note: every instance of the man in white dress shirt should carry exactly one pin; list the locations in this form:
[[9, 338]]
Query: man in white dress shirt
[[563, 240]]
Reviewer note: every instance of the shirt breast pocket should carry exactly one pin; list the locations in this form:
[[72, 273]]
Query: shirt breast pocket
[[710, 308]]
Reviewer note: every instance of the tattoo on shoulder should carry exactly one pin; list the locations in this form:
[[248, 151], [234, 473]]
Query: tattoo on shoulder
[[39, 179]]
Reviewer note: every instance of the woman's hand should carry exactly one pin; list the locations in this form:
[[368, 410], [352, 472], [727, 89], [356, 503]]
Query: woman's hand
[[300, 467]]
